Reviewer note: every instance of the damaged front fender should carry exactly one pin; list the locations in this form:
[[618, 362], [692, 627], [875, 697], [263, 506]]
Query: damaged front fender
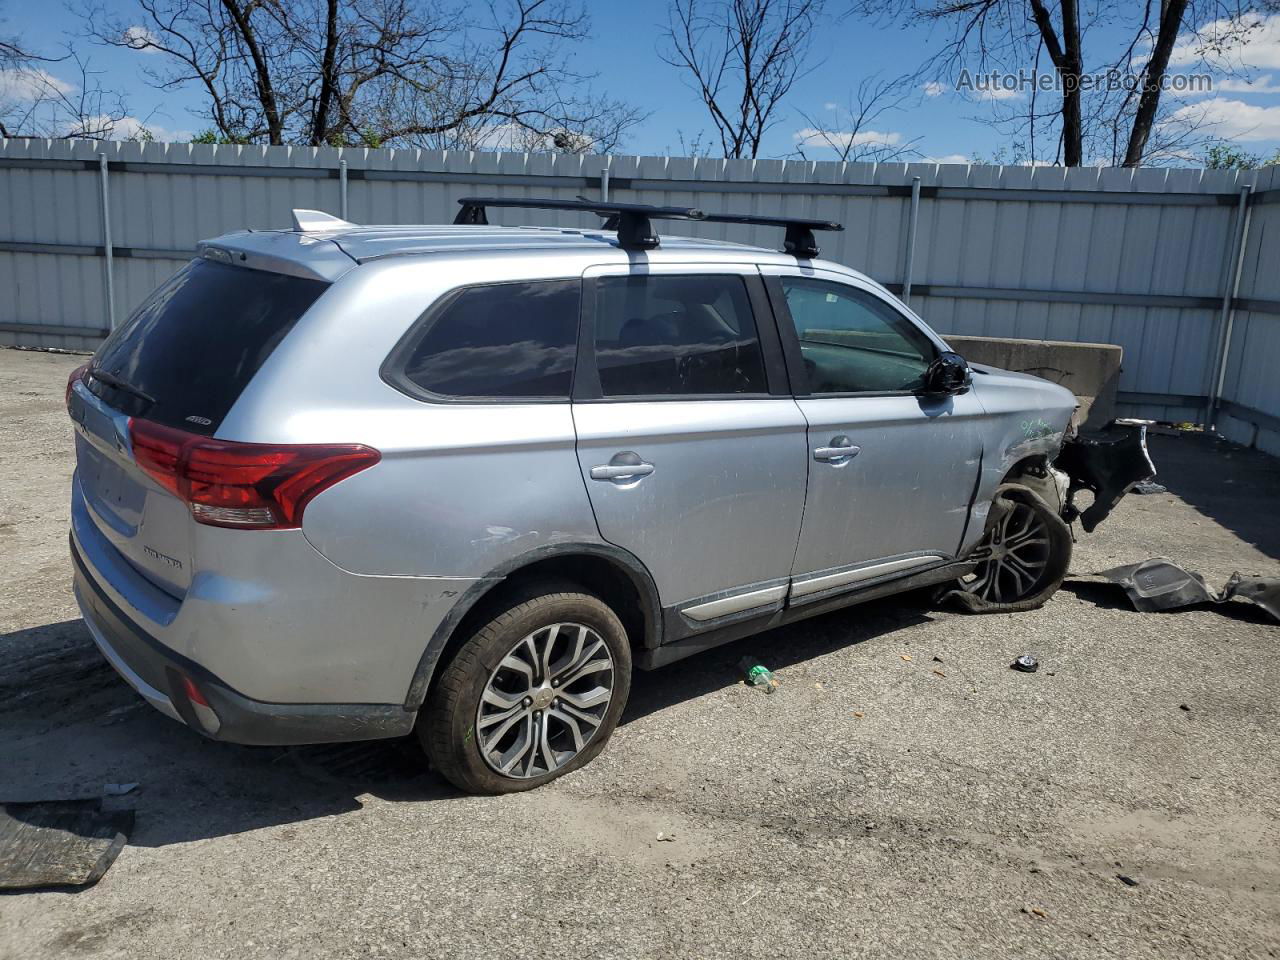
[[1106, 463]]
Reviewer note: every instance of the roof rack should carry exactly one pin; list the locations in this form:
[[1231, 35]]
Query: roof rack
[[632, 220]]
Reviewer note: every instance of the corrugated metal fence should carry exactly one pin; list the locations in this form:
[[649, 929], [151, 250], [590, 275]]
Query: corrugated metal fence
[[1140, 258]]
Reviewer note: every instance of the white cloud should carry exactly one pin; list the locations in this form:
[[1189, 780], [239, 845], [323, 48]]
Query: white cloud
[[1260, 84], [138, 37], [950, 158], [1232, 119], [933, 89], [843, 138], [998, 93], [25, 84], [1249, 41], [131, 128]]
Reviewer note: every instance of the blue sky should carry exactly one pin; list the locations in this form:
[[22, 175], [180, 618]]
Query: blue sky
[[623, 52]]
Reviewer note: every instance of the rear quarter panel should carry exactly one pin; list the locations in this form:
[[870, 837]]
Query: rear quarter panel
[[462, 488]]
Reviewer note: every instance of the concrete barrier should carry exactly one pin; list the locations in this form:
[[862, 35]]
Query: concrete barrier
[[1089, 370]]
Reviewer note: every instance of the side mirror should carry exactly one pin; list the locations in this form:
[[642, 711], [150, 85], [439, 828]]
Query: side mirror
[[947, 375]]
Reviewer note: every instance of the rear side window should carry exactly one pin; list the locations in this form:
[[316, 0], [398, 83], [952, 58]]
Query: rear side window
[[508, 340], [676, 336], [185, 356]]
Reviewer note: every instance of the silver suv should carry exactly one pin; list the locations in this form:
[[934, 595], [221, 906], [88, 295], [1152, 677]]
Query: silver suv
[[341, 482]]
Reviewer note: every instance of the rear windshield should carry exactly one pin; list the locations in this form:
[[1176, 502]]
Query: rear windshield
[[187, 353]]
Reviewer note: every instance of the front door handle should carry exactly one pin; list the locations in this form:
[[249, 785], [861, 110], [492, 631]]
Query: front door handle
[[622, 468], [840, 451]]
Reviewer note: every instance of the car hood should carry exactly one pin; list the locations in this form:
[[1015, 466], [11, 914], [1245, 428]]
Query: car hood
[[1037, 391]]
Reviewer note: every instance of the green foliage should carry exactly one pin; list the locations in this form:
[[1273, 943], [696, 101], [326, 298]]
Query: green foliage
[[213, 136], [368, 138], [1227, 156]]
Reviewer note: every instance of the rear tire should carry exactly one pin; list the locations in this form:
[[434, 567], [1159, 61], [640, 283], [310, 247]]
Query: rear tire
[[1026, 550], [532, 695]]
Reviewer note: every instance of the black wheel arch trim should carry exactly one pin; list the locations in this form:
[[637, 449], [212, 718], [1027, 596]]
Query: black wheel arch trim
[[637, 573]]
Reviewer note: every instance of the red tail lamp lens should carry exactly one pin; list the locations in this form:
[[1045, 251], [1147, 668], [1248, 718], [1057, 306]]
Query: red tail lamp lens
[[252, 486], [193, 692], [204, 714], [76, 375]]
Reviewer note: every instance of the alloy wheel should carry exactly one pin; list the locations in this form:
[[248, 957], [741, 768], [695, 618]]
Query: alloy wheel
[[1015, 554], [545, 700]]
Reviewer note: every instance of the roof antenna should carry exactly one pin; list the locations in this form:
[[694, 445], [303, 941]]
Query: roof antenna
[[317, 221]]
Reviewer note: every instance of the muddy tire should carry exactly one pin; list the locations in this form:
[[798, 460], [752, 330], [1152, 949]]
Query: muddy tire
[[1026, 551], [534, 694]]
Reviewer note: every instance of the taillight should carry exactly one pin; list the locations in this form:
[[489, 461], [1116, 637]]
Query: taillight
[[76, 375], [253, 486]]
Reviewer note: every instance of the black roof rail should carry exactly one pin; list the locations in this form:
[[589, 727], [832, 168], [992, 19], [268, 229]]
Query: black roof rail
[[631, 220]]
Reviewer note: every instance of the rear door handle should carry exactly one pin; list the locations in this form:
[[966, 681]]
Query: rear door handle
[[622, 468], [841, 451]]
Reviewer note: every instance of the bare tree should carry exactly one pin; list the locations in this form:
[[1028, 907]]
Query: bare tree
[[34, 102], [13, 58], [1083, 121], [743, 57], [374, 72], [849, 133]]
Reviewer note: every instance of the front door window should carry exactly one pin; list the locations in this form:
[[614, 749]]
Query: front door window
[[854, 342]]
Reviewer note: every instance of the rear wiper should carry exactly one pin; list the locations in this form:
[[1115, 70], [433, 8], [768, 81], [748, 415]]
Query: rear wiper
[[111, 380]]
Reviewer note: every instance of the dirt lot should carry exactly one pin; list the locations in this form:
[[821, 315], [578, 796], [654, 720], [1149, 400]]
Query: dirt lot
[[874, 806]]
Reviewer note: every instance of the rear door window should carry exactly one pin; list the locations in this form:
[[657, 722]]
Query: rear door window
[[184, 357], [501, 340], [658, 335]]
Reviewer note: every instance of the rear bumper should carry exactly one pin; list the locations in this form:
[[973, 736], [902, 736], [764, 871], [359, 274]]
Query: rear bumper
[[156, 672]]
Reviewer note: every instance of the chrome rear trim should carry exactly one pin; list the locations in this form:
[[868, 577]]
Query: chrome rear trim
[[735, 604]]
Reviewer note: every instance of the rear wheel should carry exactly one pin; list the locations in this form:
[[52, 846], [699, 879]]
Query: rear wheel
[[1024, 555], [533, 695]]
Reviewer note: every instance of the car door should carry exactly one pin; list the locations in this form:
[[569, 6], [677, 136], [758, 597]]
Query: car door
[[891, 472], [690, 444]]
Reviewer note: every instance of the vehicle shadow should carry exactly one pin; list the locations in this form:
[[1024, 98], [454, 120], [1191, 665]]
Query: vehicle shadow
[[776, 649], [69, 726], [1234, 486]]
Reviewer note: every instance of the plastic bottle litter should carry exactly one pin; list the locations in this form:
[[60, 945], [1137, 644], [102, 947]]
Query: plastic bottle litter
[[758, 675]]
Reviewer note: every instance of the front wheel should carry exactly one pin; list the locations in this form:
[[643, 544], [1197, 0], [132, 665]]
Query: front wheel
[[1024, 555], [532, 695]]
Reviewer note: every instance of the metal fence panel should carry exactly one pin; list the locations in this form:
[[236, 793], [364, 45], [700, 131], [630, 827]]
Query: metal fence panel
[[1134, 257], [1253, 368]]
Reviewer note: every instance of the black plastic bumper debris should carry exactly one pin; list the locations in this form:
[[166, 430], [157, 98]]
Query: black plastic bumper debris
[[1160, 584], [59, 843], [1107, 463]]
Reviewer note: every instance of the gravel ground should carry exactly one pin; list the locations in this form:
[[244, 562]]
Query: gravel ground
[[904, 793]]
